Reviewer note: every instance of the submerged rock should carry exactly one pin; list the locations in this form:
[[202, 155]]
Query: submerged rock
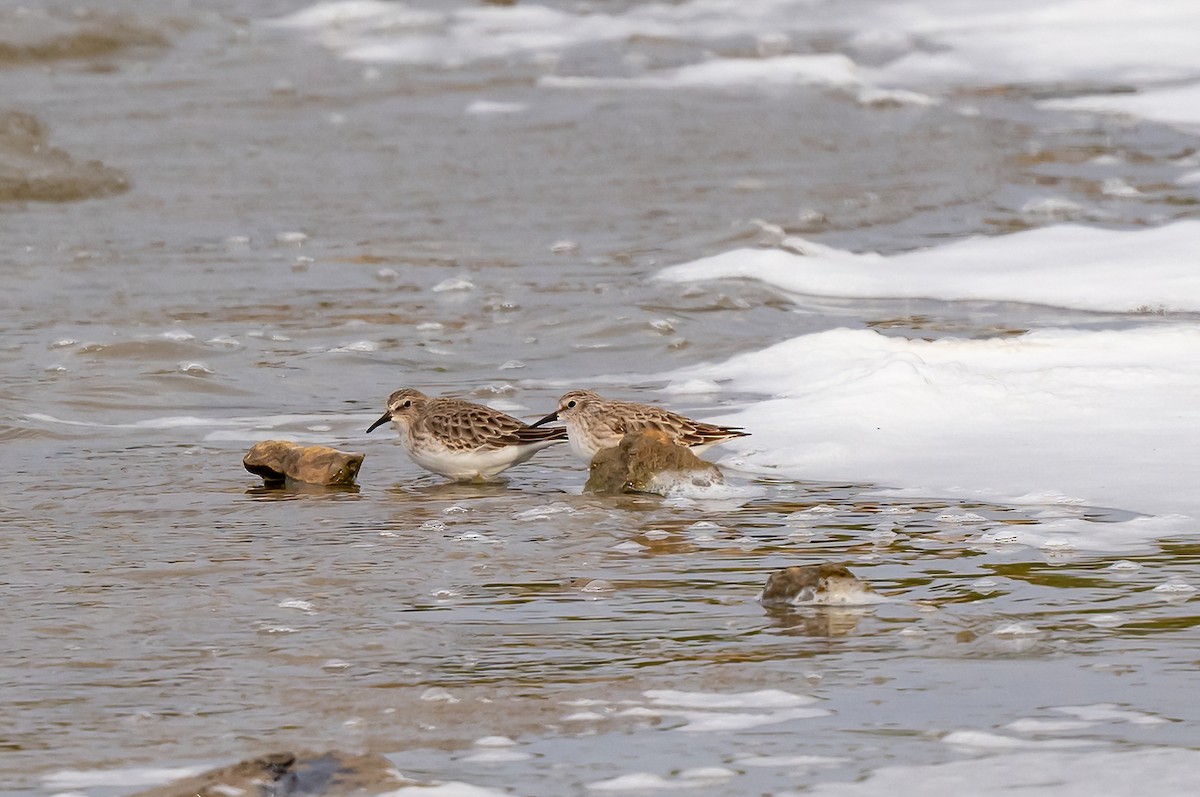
[[31, 35], [32, 170], [280, 460], [821, 585], [332, 774], [649, 462]]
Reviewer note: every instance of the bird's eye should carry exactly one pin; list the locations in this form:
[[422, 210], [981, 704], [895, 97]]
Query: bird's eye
[[406, 404], [571, 404]]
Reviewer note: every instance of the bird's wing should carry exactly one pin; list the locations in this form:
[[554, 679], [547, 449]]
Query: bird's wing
[[467, 426], [698, 433]]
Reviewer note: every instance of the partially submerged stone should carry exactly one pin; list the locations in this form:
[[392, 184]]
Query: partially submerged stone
[[332, 774], [821, 585], [33, 171], [277, 461], [649, 462]]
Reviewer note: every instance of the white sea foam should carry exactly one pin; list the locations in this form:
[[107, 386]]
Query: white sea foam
[[905, 49], [645, 781], [710, 721], [493, 107], [1175, 588], [545, 511], [635, 781], [357, 346], [436, 694], [701, 711], [453, 284], [686, 488], [1099, 417], [763, 698], [124, 778], [1030, 41], [791, 761], [1109, 712], [584, 716], [1054, 208], [195, 368], [1178, 105], [983, 740], [189, 421], [497, 756], [826, 69], [494, 741], [1065, 266], [453, 788], [1033, 773], [877, 96], [1033, 725]]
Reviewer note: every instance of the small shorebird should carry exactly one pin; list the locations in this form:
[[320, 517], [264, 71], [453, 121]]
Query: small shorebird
[[460, 440], [594, 423]]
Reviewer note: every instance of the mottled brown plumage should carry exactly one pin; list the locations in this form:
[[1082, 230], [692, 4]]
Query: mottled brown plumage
[[594, 423], [459, 439]]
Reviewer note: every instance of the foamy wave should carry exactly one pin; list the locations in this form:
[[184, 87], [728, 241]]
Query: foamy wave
[[1041, 771], [1178, 105], [308, 429], [1105, 417], [1065, 266], [124, 778], [922, 44], [704, 712], [452, 788], [826, 69]]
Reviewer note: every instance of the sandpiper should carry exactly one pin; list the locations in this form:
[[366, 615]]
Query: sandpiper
[[460, 440], [594, 423]]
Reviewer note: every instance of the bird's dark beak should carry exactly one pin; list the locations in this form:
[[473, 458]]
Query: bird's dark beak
[[551, 417], [387, 416]]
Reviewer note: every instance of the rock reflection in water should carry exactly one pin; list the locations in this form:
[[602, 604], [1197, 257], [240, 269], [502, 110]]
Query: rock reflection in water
[[819, 620]]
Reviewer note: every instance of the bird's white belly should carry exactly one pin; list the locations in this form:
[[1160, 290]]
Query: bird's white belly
[[483, 463], [579, 446]]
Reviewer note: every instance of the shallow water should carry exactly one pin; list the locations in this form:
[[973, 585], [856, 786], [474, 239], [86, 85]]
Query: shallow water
[[303, 234]]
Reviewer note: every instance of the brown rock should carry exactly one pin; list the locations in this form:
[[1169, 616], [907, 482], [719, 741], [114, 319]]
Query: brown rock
[[331, 774], [825, 584], [32, 170], [280, 460], [648, 462]]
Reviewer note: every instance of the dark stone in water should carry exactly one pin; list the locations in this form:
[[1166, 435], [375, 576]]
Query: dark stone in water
[[649, 462], [824, 584], [331, 774], [277, 461]]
